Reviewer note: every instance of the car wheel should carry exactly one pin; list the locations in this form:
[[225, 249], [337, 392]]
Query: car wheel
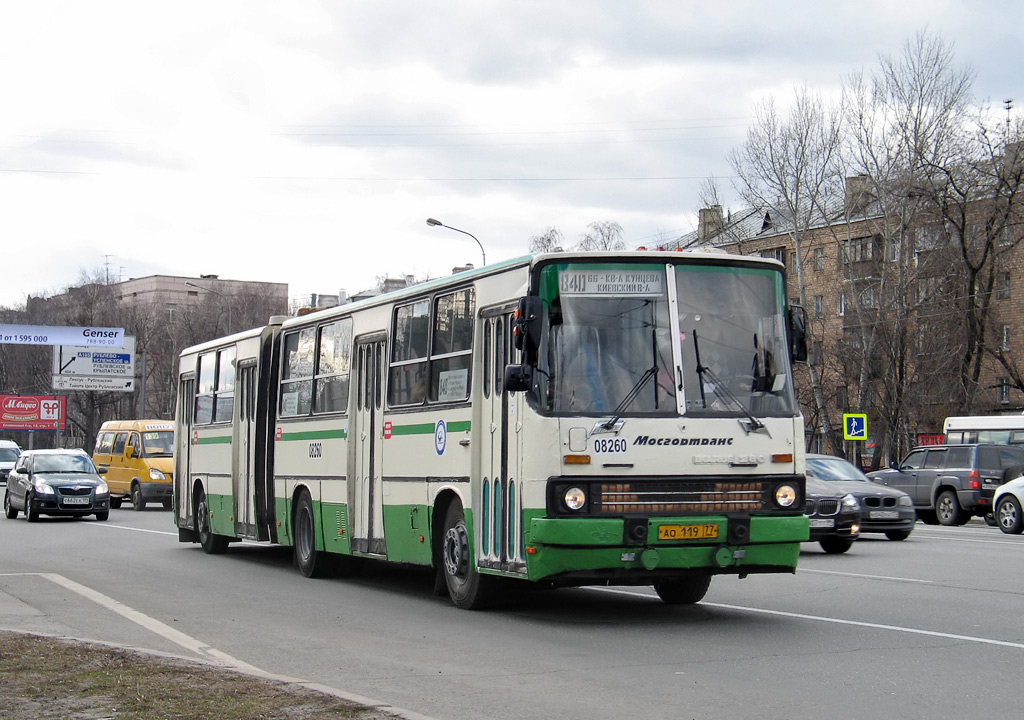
[[990, 519], [897, 534], [1008, 515], [138, 502], [684, 590], [948, 510], [101, 516], [115, 502], [835, 545], [468, 589], [30, 514], [9, 511], [927, 517], [211, 543]]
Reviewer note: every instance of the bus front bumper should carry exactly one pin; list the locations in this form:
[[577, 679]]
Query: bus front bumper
[[639, 550]]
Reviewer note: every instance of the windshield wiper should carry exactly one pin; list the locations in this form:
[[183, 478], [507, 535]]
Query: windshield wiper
[[752, 424], [631, 396]]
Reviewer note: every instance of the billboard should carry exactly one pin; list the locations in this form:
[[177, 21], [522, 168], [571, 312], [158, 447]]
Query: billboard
[[32, 412]]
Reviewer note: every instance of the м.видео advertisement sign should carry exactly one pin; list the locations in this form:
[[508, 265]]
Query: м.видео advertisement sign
[[32, 412]]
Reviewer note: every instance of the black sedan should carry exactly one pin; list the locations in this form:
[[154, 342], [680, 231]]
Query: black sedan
[[834, 516], [882, 509], [56, 482]]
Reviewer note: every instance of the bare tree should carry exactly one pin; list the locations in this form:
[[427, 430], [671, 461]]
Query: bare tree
[[605, 235], [791, 165], [548, 241]]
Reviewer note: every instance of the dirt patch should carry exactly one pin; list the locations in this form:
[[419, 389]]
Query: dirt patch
[[56, 679]]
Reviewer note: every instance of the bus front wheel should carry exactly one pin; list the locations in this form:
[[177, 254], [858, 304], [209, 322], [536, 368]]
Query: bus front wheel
[[467, 588], [683, 590]]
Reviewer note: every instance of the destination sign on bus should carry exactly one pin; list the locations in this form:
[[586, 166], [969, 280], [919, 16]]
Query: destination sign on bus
[[611, 282]]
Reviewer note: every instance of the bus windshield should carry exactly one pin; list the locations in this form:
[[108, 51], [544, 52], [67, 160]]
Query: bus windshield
[[638, 340]]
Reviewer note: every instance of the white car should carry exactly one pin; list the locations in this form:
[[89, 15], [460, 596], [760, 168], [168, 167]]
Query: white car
[[1008, 500]]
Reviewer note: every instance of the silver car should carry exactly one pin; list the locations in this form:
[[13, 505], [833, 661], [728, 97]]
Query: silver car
[[56, 482]]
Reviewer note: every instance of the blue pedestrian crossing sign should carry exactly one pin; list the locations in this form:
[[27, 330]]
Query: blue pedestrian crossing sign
[[855, 426]]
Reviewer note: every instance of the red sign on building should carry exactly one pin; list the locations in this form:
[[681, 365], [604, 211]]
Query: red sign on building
[[32, 412]]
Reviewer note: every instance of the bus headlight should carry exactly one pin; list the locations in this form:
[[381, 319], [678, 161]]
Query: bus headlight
[[785, 495], [574, 498], [155, 474]]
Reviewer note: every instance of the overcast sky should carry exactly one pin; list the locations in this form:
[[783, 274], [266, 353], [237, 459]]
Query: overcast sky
[[307, 142]]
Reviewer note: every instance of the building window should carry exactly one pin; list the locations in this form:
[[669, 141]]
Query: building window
[[1003, 391], [842, 400], [1005, 342], [841, 304], [778, 253], [869, 298], [856, 250], [818, 306], [1003, 286], [819, 259]]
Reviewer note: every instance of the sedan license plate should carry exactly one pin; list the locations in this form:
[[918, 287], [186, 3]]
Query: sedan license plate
[[884, 515], [823, 522], [688, 532], [76, 501]]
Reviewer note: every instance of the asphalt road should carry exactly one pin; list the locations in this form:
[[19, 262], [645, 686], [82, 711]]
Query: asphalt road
[[930, 627]]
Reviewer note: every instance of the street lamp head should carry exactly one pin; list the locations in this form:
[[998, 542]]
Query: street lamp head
[[432, 222]]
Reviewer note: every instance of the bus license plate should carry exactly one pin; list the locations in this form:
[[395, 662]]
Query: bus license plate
[[76, 501], [687, 532]]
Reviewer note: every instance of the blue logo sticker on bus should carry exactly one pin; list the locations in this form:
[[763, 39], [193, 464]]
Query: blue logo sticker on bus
[[440, 436]]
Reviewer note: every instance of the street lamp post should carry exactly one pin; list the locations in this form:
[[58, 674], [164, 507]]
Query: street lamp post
[[432, 223], [216, 292]]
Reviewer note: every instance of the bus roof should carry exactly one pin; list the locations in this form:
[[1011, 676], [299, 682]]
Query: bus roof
[[984, 422]]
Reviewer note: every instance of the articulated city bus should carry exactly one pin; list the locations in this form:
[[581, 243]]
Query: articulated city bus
[[562, 419]]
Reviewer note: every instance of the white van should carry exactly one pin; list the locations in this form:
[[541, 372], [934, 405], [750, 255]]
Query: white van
[[9, 453]]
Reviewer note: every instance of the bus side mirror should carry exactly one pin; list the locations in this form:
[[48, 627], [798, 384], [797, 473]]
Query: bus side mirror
[[797, 322], [129, 452], [526, 332], [517, 378]]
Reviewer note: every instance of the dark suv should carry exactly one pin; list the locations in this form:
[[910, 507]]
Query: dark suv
[[950, 483]]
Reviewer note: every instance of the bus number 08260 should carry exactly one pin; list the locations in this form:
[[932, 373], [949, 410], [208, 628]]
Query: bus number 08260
[[610, 445]]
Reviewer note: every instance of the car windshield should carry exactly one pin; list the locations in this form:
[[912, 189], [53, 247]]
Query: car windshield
[[8, 455], [63, 464], [157, 444], [834, 469]]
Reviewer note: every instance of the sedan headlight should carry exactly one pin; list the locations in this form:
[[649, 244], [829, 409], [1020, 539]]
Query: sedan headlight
[[574, 498], [155, 474], [42, 488], [102, 489], [905, 501], [849, 501], [785, 495]]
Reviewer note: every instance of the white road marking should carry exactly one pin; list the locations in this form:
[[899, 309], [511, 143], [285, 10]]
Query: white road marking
[[838, 621], [870, 577]]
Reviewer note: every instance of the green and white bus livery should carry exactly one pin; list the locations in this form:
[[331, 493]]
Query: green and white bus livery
[[561, 419]]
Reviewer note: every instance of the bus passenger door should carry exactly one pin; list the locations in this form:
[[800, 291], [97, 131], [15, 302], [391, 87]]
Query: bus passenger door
[[501, 533], [244, 462], [365, 491], [183, 454]]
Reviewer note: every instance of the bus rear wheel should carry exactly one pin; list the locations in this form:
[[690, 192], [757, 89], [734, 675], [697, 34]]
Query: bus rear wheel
[[468, 589], [683, 590], [211, 543], [311, 562]]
